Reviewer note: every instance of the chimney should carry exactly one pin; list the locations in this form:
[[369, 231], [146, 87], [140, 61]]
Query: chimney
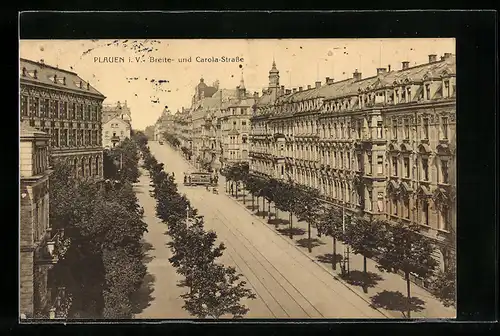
[[442, 58], [256, 95], [356, 75], [317, 84], [327, 80], [288, 91], [381, 71], [300, 88], [263, 91], [88, 86], [447, 56], [388, 68], [432, 58], [406, 65], [294, 90], [308, 87]]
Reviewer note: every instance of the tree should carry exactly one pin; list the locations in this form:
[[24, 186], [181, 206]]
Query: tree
[[216, 292], [444, 285], [364, 237], [330, 224], [308, 207], [407, 250]]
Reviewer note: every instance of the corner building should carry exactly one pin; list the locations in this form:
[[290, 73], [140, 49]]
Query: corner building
[[61, 104], [37, 294], [383, 146]]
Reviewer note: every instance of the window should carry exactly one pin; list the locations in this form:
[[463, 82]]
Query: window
[[24, 106], [427, 91], [395, 129], [64, 138], [394, 166], [380, 202], [348, 160], [379, 130], [407, 129], [394, 206], [380, 165], [243, 123], [425, 128], [335, 131], [425, 212], [370, 200], [369, 164], [425, 168], [406, 165], [360, 162], [407, 207], [358, 128], [444, 130], [444, 171], [244, 140], [55, 138], [447, 88], [445, 218]]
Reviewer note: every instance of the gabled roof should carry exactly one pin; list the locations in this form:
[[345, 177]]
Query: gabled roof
[[126, 122], [49, 75]]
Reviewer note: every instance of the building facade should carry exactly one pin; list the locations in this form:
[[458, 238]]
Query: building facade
[[234, 123], [182, 127], [383, 146], [206, 128], [114, 131], [61, 104], [36, 234]]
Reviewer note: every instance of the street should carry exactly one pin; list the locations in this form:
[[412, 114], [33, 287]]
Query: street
[[287, 283]]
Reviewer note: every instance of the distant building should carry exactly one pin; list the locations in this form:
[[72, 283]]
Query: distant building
[[235, 126], [118, 110], [61, 104], [36, 234], [115, 130]]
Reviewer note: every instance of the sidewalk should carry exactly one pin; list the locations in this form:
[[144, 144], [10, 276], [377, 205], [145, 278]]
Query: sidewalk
[[386, 290]]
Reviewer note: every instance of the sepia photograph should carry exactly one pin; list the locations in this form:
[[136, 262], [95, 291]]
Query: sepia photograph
[[187, 179]]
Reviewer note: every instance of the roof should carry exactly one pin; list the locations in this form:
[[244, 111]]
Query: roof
[[245, 102], [351, 86], [55, 77], [27, 131], [118, 118]]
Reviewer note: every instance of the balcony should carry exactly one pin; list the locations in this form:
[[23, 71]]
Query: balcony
[[52, 248]]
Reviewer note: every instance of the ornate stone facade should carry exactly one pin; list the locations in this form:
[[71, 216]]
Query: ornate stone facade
[[61, 104], [381, 146]]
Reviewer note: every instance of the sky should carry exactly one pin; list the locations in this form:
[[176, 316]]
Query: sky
[[148, 86]]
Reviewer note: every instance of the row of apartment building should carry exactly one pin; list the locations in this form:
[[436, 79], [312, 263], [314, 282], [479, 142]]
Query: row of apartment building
[[61, 118], [383, 146]]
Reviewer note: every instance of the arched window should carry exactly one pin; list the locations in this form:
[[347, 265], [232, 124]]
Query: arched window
[[75, 167], [82, 167], [97, 165], [90, 166]]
